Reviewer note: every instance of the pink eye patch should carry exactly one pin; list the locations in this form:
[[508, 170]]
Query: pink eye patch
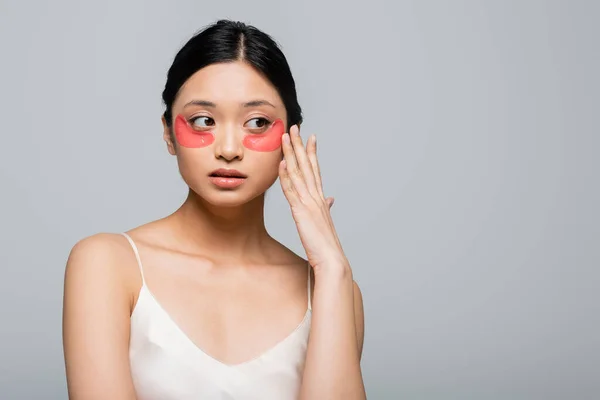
[[188, 137], [270, 140]]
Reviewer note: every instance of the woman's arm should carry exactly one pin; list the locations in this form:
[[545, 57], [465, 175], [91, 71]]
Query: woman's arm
[[332, 368], [96, 313]]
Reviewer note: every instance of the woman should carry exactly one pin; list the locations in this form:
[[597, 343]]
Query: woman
[[204, 303]]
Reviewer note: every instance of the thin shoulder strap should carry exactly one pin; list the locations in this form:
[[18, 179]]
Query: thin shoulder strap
[[309, 287], [137, 255]]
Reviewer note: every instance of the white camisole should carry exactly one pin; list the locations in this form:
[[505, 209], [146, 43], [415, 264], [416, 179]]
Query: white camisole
[[167, 365]]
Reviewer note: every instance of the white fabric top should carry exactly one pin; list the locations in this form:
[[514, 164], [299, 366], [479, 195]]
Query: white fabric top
[[167, 365]]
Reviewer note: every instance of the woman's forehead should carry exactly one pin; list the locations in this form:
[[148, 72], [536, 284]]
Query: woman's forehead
[[228, 83]]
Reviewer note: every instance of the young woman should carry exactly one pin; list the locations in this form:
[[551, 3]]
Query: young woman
[[204, 303]]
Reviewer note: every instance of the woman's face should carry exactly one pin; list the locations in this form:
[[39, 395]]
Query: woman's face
[[227, 116]]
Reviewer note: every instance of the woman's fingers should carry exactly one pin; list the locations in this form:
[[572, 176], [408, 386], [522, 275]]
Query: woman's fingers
[[311, 150], [291, 165], [304, 164], [300, 174], [286, 184]]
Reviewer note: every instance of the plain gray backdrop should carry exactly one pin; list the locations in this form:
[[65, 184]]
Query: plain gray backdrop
[[470, 215]]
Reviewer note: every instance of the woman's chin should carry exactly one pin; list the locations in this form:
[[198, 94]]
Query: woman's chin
[[228, 198]]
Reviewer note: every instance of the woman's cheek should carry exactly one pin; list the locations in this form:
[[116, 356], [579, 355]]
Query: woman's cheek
[[187, 137], [269, 140]]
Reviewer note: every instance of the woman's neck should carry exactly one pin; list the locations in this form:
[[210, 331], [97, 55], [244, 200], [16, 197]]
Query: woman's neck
[[234, 232]]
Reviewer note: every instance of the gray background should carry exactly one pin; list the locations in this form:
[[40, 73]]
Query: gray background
[[470, 216]]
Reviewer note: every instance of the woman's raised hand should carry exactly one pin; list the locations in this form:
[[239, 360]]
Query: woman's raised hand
[[300, 180]]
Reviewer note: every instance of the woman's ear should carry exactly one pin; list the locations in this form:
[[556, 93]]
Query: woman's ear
[[168, 136]]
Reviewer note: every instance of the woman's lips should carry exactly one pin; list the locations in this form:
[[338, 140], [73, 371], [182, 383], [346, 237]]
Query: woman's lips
[[227, 178], [226, 182]]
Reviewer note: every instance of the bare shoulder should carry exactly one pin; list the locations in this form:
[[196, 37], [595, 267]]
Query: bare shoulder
[[100, 244], [101, 248], [100, 259]]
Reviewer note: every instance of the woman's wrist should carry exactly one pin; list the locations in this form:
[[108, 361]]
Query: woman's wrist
[[335, 268]]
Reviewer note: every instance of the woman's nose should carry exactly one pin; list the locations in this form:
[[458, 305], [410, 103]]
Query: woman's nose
[[228, 143]]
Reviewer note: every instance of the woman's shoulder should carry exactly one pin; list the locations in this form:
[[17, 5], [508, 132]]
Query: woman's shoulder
[[103, 246], [103, 259], [109, 246]]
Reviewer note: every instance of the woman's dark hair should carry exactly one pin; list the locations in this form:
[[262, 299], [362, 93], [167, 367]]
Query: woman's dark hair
[[228, 41]]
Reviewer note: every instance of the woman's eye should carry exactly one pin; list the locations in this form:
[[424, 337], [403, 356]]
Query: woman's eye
[[202, 122], [258, 123]]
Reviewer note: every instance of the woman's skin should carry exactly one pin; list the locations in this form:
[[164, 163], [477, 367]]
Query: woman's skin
[[232, 288]]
